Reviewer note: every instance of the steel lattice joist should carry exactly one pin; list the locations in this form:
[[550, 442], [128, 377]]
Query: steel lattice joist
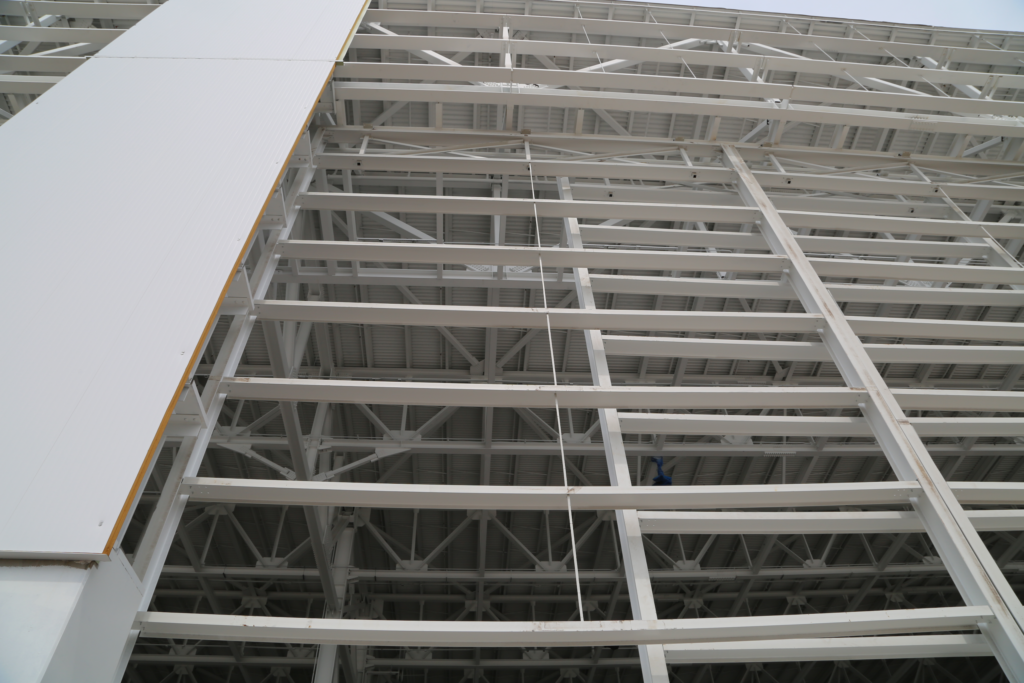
[[741, 288]]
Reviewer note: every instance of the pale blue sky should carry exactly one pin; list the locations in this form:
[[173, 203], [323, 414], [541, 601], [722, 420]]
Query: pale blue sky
[[995, 15]]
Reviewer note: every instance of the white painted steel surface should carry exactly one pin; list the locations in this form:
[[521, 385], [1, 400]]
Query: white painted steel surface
[[830, 649], [36, 604], [311, 31], [552, 497], [173, 200], [553, 633]]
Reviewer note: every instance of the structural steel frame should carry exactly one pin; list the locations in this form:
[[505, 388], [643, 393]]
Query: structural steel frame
[[823, 215]]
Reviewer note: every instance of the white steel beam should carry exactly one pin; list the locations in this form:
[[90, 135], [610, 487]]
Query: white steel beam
[[274, 492], [498, 206], [391, 663], [552, 633], [38, 63], [29, 85], [57, 34], [527, 256], [768, 523], [79, 10], [893, 96], [597, 397], [688, 347], [569, 396], [507, 317], [639, 53], [452, 497], [417, 140], [604, 210], [626, 320], [961, 548], [830, 649], [641, 260], [266, 492], [929, 427], [528, 576], [986, 492], [666, 31], [662, 170], [653, 285], [633, 449], [634, 558], [667, 104]]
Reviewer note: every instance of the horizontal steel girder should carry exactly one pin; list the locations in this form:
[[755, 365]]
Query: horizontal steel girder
[[389, 663], [636, 423], [673, 84], [663, 171], [612, 144], [685, 347], [552, 633], [500, 94], [830, 649], [640, 260], [669, 576], [796, 649], [620, 397], [704, 57], [425, 496], [640, 450], [601, 595], [626, 320], [637, 284], [528, 256], [604, 210], [752, 241], [767, 523], [660, 32], [71, 9], [687, 194], [56, 34], [568, 396]]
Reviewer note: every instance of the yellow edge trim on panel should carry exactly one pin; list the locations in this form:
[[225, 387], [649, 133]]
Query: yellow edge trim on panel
[[116, 531], [352, 31]]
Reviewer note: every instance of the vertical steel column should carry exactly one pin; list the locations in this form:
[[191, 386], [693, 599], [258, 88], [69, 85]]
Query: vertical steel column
[[634, 559], [293, 430], [969, 563], [328, 655]]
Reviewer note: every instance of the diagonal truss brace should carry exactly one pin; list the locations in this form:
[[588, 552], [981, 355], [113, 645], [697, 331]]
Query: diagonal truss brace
[[970, 565]]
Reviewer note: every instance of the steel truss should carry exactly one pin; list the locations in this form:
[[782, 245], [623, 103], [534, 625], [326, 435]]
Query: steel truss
[[779, 253]]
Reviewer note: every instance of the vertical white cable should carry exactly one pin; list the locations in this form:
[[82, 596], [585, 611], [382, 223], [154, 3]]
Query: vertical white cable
[[558, 415]]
